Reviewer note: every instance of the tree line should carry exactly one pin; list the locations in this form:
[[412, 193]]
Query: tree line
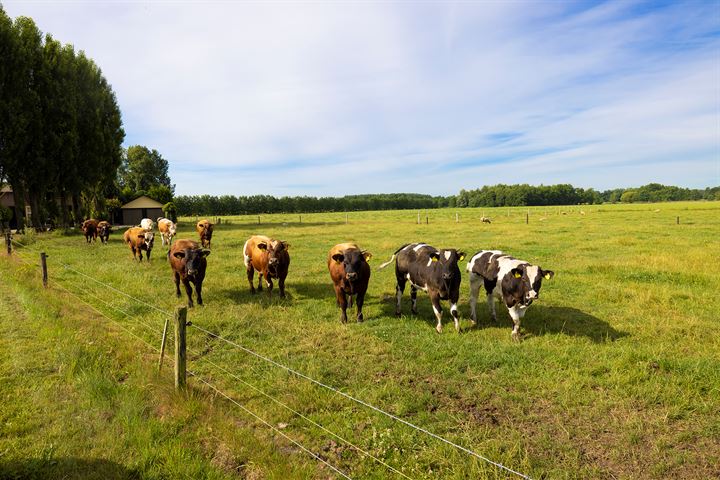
[[60, 125], [487, 196]]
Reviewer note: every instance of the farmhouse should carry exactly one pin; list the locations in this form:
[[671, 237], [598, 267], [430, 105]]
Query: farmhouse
[[142, 207]]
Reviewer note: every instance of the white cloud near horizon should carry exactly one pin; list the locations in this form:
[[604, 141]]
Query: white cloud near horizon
[[342, 98]]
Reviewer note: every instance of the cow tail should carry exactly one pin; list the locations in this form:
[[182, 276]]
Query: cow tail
[[387, 263], [393, 257]]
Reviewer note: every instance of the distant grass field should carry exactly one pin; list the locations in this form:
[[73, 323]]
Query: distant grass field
[[618, 375]]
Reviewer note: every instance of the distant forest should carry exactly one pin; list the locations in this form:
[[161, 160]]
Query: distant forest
[[487, 196]]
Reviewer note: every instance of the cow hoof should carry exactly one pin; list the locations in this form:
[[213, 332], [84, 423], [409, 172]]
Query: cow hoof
[[473, 322], [190, 305], [515, 336], [438, 328], [397, 314], [178, 295], [360, 318], [414, 312]]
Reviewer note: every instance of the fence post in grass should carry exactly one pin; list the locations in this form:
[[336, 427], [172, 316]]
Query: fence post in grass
[[418, 221], [180, 348], [8, 242], [457, 218], [258, 219], [43, 264], [527, 218], [427, 220], [346, 218], [300, 216], [678, 221], [162, 343]]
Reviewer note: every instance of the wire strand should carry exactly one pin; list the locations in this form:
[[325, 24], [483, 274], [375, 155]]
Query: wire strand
[[390, 467], [314, 455], [361, 402]]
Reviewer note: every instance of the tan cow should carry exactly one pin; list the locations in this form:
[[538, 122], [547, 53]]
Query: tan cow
[[270, 258], [167, 230], [139, 239], [205, 230]]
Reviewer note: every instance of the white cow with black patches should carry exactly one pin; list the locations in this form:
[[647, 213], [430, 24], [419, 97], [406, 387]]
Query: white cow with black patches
[[431, 270], [516, 282]]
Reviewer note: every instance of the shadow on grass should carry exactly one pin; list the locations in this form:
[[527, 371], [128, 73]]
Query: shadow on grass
[[66, 468], [539, 319]]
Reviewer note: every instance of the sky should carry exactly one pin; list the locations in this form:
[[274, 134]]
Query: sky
[[334, 98]]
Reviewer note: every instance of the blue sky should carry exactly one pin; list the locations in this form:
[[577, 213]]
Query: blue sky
[[324, 98]]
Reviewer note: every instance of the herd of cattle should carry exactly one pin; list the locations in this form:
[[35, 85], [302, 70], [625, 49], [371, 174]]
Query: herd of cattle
[[515, 282]]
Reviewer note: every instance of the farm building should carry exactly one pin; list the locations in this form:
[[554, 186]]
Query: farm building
[[142, 207]]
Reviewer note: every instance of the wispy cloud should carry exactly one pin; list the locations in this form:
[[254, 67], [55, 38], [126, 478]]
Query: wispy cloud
[[325, 99]]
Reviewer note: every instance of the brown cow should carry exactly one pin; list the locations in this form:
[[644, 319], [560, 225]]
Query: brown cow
[[350, 274], [139, 239], [188, 262], [89, 228], [205, 230], [270, 258], [104, 228]]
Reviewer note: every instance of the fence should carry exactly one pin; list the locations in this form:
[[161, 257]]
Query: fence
[[181, 325]]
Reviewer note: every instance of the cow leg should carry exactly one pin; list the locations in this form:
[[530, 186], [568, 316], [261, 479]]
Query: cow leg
[[516, 313], [475, 282], [399, 289], [350, 300], [281, 286], [177, 284], [198, 291], [250, 275], [269, 283], [413, 297], [359, 302], [260, 275], [342, 303], [435, 300], [148, 255], [188, 290], [454, 297], [132, 249], [491, 306]]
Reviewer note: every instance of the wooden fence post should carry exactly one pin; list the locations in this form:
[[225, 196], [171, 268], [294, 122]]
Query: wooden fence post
[[180, 348], [300, 218], [457, 218], [8, 242], [43, 264], [418, 221], [346, 218], [678, 220], [527, 218], [162, 343], [258, 219]]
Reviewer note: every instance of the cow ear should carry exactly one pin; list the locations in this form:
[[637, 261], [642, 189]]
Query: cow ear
[[517, 273], [285, 245], [367, 255], [434, 256], [338, 257], [262, 246], [461, 256], [179, 254], [548, 274], [141, 236], [205, 252]]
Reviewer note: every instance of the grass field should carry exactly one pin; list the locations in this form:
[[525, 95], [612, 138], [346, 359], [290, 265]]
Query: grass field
[[618, 375]]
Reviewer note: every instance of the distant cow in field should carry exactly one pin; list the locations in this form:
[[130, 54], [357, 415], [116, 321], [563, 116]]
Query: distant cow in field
[[89, 228], [485, 220], [167, 229], [432, 270], [147, 224], [139, 239], [205, 230], [188, 262], [104, 228], [514, 281], [350, 274], [270, 258]]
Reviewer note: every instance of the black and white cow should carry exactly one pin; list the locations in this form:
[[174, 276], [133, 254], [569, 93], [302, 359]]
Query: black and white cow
[[432, 270], [514, 281]]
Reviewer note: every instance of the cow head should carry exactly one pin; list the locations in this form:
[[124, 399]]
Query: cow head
[[104, 229], [206, 227], [276, 250], [193, 259], [447, 262], [352, 262], [147, 239], [526, 280]]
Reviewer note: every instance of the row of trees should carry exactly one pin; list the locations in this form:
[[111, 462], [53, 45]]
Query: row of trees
[[243, 205], [488, 196], [60, 125]]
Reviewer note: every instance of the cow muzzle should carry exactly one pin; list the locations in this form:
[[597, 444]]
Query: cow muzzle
[[447, 276], [352, 276], [191, 273]]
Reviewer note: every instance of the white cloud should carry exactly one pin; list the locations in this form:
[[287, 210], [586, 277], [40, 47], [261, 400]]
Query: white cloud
[[407, 97]]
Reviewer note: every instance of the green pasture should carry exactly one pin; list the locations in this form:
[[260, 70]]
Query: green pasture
[[618, 374]]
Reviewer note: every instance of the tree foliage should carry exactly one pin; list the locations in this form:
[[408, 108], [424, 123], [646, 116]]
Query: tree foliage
[[143, 169], [60, 126]]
